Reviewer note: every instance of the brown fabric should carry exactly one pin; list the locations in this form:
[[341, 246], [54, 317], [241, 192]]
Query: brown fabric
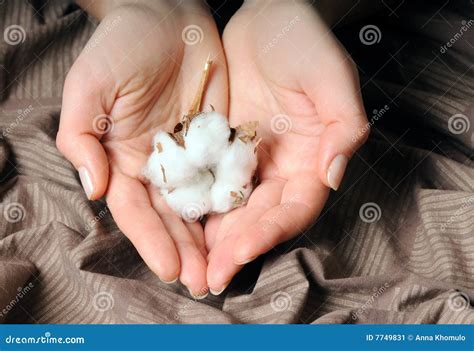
[[409, 260]]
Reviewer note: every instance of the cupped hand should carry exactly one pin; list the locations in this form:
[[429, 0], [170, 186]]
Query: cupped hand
[[288, 71], [140, 72]]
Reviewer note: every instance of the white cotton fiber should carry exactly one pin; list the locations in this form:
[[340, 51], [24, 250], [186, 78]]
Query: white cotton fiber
[[168, 166], [226, 195], [207, 170], [206, 139], [191, 201], [238, 162], [233, 176]]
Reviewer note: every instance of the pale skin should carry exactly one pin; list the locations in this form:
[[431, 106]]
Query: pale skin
[[148, 88]]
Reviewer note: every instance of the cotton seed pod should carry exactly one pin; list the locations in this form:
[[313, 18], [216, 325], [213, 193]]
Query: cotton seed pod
[[206, 139], [168, 166]]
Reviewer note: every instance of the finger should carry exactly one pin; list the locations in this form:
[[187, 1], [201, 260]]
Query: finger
[[82, 123], [197, 232], [221, 266], [266, 195], [132, 210], [193, 263], [338, 143], [301, 202], [337, 98], [211, 229]]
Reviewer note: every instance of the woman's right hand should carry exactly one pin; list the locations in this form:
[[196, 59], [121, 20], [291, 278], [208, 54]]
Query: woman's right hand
[[139, 73]]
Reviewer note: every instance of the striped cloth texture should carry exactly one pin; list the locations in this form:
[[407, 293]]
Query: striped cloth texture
[[394, 245]]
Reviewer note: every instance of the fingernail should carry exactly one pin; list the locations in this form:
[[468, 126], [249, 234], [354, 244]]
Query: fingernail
[[86, 181], [199, 296], [245, 261], [218, 292], [336, 171], [170, 281]]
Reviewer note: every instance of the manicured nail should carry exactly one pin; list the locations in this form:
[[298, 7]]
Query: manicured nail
[[86, 181], [336, 171], [170, 281], [245, 261], [218, 292], [202, 295]]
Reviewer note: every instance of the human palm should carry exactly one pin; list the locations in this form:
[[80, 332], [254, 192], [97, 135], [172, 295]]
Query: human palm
[[147, 81], [307, 117]]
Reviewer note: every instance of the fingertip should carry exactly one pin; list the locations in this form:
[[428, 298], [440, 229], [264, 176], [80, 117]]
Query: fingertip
[[168, 272], [244, 251], [217, 280], [194, 278], [88, 156], [336, 171]]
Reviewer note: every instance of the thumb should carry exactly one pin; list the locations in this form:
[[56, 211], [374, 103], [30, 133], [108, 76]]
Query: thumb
[[336, 94], [82, 124], [338, 143]]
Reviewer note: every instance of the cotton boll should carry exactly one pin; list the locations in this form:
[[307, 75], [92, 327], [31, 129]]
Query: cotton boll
[[238, 163], [193, 200], [233, 174], [206, 139], [168, 166], [225, 195]]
